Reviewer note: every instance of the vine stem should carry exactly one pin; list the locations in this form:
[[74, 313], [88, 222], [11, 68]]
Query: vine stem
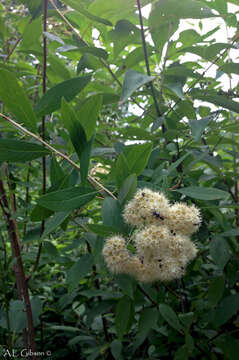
[[159, 114], [92, 180]]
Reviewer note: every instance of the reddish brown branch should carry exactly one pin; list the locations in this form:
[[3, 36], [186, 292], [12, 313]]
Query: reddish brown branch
[[22, 287], [43, 130]]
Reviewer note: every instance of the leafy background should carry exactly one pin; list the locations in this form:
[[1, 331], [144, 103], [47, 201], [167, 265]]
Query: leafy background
[[117, 111]]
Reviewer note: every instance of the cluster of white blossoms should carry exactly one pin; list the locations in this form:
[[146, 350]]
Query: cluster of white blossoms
[[163, 247]]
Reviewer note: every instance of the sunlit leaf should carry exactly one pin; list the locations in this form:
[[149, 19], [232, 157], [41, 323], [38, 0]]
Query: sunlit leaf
[[132, 81]]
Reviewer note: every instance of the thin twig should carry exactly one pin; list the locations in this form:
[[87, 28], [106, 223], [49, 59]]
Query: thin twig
[[147, 296], [234, 39], [83, 41], [13, 49], [92, 180]]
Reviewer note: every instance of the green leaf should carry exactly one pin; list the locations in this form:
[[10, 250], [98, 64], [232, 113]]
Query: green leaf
[[187, 320], [31, 36], [191, 9], [2, 28], [112, 9], [65, 328], [207, 52], [56, 172], [50, 250], [128, 189], [127, 284], [85, 160], [55, 221], [214, 98], [20, 151], [78, 138], [148, 320], [203, 193], [102, 230], [67, 199], [216, 290], [75, 4], [189, 341], [176, 163], [32, 235], [88, 114], [169, 315], [132, 160], [95, 292], [40, 213], [175, 84], [16, 101], [198, 127], [36, 305], [160, 27], [230, 68], [229, 346], [72, 52], [124, 33], [228, 307], [220, 251], [17, 316], [138, 156], [122, 169], [220, 6], [111, 214], [132, 81], [88, 61], [123, 316], [232, 232], [81, 268], [116, 349], [136, 56], [181, 353], [51, 100]]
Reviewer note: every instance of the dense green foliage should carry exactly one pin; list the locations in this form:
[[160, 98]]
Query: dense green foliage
[[122, 107]]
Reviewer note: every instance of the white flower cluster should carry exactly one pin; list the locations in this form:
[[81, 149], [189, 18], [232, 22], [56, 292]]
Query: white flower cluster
[[162, 241]]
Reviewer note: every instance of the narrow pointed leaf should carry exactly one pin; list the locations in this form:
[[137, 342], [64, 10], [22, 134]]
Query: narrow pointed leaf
[[74, 127], [203, 193], [123, 316], [184, 9], [170, 316], [228, 307], [75, 4], [198, 127], [67, 199], [55, 221], [132, 81], [230, 68], [88, 114], [51, 100], [214, 98], [20, 151], [78, 137]]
